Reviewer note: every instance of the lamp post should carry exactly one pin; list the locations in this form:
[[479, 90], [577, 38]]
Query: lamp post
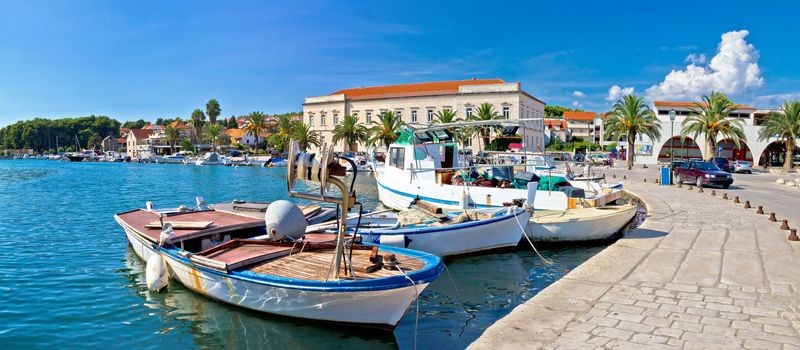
[[672, 138]]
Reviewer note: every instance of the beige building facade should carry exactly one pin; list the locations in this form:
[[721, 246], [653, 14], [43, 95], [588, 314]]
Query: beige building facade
[[417, 105]]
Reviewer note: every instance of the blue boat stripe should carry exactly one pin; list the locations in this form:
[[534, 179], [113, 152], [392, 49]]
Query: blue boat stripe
[[431, 199]]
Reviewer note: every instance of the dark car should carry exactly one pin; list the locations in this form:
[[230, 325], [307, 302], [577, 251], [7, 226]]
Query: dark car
[[722, 163], [703, 173]]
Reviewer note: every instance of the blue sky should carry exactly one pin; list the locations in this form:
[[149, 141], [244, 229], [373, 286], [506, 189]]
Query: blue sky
[[140, 59]]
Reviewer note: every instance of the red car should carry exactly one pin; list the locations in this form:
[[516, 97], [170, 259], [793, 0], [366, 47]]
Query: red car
[[703, 173]]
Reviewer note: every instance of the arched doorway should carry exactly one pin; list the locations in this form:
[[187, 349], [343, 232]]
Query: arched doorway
[[730, 151], [774, 153], [683, 149]]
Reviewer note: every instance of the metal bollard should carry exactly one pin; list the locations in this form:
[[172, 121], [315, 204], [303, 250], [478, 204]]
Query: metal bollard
[[736, 200], [785, 224], [772, 217], [725, 195], [760, 210], [793, 235], [700, 190], [714, 193], [747, 205]]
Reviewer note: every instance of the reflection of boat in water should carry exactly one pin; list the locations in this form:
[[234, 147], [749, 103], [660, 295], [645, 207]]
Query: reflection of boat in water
[[216, 325], [270, 265]]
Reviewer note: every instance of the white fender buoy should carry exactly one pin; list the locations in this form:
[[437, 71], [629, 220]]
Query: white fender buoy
[[463, 202], [532, 186], [156, 273], [283, 220]]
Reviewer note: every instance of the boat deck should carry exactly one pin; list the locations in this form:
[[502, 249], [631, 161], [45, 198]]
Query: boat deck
[[221, 222], [314, 265]]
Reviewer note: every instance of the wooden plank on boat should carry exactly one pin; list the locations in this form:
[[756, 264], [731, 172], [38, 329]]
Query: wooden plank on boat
[[181, 225], [251, 206], [428, 206]]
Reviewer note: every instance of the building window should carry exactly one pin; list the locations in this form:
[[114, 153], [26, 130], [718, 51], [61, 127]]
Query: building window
[[468, 112], [369, 117], [399, 114], [413, 115], [468, 142], [321, 119], [335, 118], [355, 115], [397, 157], [506, 112], [430, 116], [311, 120]]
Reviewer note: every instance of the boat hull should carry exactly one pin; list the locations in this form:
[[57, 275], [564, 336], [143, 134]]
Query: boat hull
[[469, 237], [165, 160], [587, 224], [382, 307]]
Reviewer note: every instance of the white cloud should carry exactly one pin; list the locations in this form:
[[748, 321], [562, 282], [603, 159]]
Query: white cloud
[[576, 104], [733, 70], [616, 92], [696, 59], [579, 94]]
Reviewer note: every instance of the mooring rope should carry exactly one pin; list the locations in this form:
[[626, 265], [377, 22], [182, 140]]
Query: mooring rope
[[529, 239]]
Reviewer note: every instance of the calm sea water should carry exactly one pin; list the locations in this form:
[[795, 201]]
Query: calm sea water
[[69, 279]]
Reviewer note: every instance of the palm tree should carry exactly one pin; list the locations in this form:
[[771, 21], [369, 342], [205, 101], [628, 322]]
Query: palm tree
[[445, 116], [630, 117], [213, 110], [485, 112], [384, 130], [256, 125], [350, 131], [304, 136], [213, 133], [785, 126], [198, 120], [283, 132], [173, 136], [710, 118]]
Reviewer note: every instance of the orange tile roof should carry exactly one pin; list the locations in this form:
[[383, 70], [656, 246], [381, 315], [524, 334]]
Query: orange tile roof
[[179, 125], [408, 90], [236, 133], [552, 123], [586, 116], [689, 104], [141, 134]]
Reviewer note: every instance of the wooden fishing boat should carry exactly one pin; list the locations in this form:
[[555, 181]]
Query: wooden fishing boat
[[252, 261], [584, 224]]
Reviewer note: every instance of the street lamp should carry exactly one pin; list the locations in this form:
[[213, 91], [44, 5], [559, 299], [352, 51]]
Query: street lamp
[[672, 138]]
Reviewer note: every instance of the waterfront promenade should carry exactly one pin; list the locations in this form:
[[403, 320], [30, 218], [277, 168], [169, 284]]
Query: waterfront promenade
[[700, 273]]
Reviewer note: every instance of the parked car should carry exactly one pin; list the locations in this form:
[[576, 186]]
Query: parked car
[[741, 166], [722, 163], [675, 165], [703, 173], [598, 159]]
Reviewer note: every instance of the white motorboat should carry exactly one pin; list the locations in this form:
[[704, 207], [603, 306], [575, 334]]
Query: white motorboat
[[175, 158], [583, 224], [448, 234], [212, 158]]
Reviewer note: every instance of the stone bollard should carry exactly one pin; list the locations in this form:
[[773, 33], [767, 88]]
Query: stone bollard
[[645, 180], [725, 196], [624, 177], [656, 181], [691, 188], [772, 217], [736, 200], [700, 190], [714, 193], [785, 224], [614, 176], [747, 205], [793, 235], [760, 210], [680, 185]]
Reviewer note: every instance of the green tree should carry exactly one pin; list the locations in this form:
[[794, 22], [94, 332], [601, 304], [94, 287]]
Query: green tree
[[445, 116], [283, 132], [213, 110], [557, 111], [785, 126], [138, 124], [304, 136], [350, 131], [485, 112], [232, 124], [214, 134], [256, 125], [384, 130], [710, 119], [173, 136], [630, 117], [187, 146], [198, 120]]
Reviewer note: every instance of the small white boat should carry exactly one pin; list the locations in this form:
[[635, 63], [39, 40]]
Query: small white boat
[[455, 233], [276, 162], [175, 158], [212, 158], [583, 224]]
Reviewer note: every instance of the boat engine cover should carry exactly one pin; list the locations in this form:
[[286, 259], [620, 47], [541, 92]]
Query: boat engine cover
[[284, 220], [573, 192]]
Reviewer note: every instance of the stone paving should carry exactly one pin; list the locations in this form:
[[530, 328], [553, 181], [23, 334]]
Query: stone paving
[[700, 273]]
